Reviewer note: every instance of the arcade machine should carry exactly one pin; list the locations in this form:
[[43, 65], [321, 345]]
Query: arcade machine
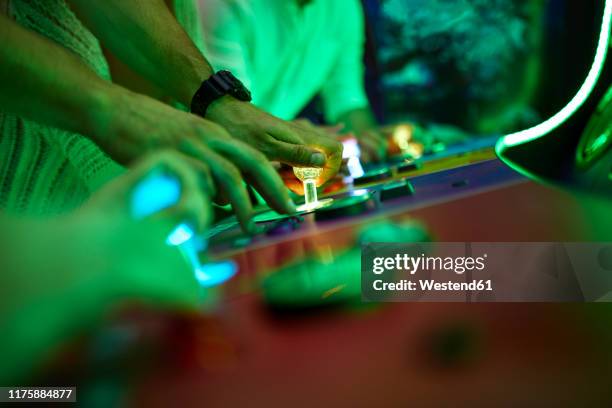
[[286, 324]]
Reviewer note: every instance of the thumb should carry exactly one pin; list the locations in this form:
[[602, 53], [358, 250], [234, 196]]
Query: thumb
[[297, 155]]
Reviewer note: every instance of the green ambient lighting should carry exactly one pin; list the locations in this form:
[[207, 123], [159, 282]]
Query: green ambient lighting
[[599, 142], [159, 192], [577, 101]]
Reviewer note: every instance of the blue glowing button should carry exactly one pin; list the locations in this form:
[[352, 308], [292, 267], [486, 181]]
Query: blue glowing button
[[180, 235], [155, 194], [214, 274]]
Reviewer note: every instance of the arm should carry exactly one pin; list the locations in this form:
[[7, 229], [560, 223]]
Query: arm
[[53, 86], [57, 88], [145, 36], [344, 93]]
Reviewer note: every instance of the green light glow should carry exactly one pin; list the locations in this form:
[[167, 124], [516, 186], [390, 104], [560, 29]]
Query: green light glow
[[577, 101], [597, 143]]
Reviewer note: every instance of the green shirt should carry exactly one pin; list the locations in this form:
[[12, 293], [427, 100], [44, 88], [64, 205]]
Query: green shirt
[[286, 54]]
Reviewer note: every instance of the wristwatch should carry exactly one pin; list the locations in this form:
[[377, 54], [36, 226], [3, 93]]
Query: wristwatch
[[218, 85]]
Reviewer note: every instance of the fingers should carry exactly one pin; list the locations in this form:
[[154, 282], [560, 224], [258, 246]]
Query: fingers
[[194, 179], [302, 145], [314, 138], [369, 150], [205, 178], [154, 272], [333, 150], [193, 207], [258, 172], [228, 179], [374, 145], [296, 154]]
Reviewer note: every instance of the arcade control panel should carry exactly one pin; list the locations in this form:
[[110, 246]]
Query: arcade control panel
[[383, 190]]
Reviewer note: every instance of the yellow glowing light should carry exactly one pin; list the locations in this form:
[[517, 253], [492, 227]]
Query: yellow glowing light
[[402, 135], [415, 150], [308, 176], [333, 291]]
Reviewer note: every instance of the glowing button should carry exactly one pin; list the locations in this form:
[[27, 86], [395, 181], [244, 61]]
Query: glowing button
[[213, 274], [180, 235]]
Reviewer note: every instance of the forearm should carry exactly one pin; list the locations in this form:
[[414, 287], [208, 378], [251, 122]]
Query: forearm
[[44, 82], [146, 37]]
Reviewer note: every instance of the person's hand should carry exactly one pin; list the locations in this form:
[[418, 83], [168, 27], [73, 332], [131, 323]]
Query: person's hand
[[90, 259], [133, 124], [373, 144], [113, 200], [68, 272], [131, 255], [286, 172], [290, 143], [333, 130]]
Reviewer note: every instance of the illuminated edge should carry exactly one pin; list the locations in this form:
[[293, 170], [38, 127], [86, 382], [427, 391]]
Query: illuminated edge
[[577, 101]]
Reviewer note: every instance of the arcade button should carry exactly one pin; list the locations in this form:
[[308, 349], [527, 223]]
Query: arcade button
[[312, 284], [406, 166], [373, 176], [397, 189], [347, 206]]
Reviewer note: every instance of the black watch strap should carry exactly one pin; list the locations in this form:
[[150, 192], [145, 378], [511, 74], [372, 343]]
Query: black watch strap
[[218, 85]]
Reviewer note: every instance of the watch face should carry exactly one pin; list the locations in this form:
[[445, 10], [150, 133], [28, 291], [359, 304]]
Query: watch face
[[238, 90]]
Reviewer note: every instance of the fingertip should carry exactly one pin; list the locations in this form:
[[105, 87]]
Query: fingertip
[[317, 159], [251, 227], [290, 206]]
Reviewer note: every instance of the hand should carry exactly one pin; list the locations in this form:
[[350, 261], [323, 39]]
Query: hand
[[131, 255], [89, 261], [286, 172], [133, 124], [113, 201], [333, 130], [373, 146], [290, 143]]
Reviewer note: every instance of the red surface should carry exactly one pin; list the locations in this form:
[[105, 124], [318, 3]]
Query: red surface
[[540, 354], [516, 213]]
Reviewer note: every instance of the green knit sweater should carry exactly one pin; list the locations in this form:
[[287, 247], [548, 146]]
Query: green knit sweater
[[44, 170]]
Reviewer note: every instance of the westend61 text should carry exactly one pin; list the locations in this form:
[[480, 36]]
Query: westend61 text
[[431, 285]]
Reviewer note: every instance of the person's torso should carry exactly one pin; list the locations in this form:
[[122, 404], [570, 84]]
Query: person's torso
[[291, 52]]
